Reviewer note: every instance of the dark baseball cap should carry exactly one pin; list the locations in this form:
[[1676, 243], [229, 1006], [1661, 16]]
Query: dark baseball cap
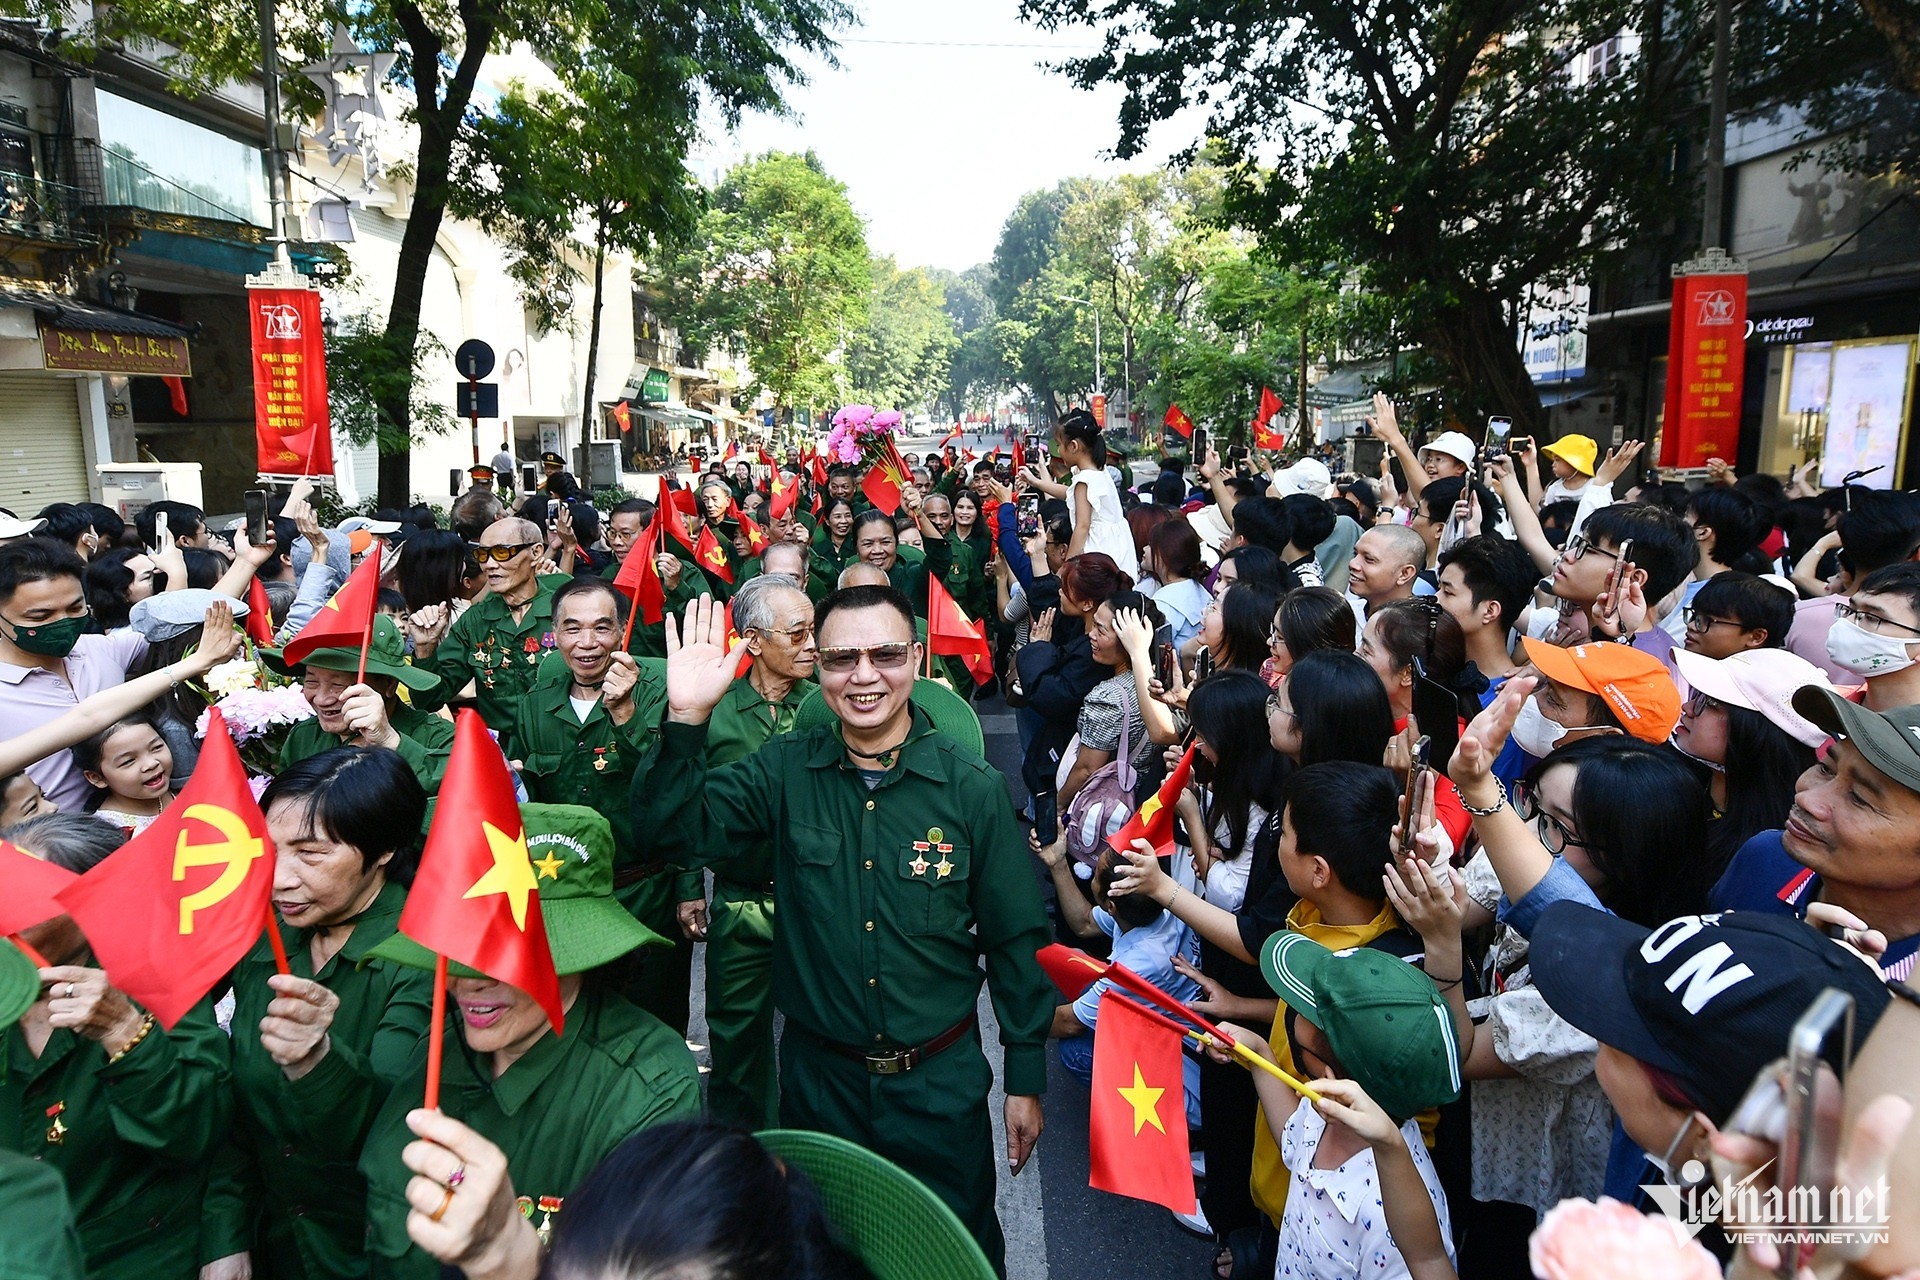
[[1708, 1000], [1890, 740]]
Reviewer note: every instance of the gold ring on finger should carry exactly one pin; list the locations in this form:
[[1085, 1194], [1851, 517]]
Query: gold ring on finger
[[445, 1200]]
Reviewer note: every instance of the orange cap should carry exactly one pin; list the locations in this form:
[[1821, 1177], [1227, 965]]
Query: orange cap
[[1635, 685], [358, 541]]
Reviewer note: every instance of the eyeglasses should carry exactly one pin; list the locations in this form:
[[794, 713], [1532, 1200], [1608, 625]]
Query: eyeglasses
[[1869, 621], [884, 657], [796, 637], [1705, 622], [1275, 707], [500, 555], [1700, 704], [1578, 546], [1554, 834], [1274, 639]]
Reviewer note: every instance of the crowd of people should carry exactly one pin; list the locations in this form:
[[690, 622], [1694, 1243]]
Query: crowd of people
[[1533, 803]]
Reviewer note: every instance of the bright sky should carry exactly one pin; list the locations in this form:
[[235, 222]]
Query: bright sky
[[940, 117]]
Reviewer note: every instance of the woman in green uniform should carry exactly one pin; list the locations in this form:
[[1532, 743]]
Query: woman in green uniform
[[833, 546], [130, 1114], [555, 1104], [316, 1051], [879, 545]]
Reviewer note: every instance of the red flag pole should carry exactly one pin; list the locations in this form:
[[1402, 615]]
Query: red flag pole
[[626, 637], [39, 961], [275, 941], [436, 1033]]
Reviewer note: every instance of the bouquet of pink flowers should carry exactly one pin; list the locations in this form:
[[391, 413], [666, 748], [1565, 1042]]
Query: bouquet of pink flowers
[[1584, 1240], [861, 434], [260, 707]]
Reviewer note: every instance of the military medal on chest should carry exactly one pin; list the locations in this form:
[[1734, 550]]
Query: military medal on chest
[[57, 1131], [600, 759], [546, 1207], [935, 842]]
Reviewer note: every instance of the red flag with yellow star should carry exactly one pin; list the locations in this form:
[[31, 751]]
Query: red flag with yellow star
[[951, 633], [177, 906], [1177, 419], [886, 478], [1154, 822], [786, 492], [711, 556], [346, 620], [756, 536], [475, 898], [1137, 1122]]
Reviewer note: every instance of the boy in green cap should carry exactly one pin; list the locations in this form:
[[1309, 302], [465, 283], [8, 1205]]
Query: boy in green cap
[[369, 714], [1374, 1035], [554, 1104]]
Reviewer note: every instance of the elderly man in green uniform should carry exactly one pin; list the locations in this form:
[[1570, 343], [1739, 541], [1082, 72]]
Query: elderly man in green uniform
[[775, 619], [554, 1104], [37, 1236], [577, 739], [370, 714], [497, 643], [899, 867]]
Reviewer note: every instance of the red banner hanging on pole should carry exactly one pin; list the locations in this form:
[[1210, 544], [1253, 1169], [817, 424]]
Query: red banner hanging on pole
[[1706, 361], [291, 424]]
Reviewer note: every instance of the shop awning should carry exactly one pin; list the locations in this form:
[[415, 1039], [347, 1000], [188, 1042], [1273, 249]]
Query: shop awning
[[62, 312]]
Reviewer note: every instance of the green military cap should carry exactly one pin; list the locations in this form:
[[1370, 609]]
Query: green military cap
[[1384, 1019], [386, 656], [571, 848], [19, 983], [1890, 740], [552, 459], [900, 1229]]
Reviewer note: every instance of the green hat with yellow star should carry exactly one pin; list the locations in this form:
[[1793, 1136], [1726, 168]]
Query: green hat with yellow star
[[571, 848]]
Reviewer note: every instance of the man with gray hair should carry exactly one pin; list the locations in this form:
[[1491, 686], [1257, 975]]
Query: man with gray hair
[[1386, 564], [775, 618], [497, 644]]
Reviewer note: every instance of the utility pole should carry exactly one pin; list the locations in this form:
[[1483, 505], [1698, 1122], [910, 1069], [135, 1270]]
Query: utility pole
[[1713, 215]]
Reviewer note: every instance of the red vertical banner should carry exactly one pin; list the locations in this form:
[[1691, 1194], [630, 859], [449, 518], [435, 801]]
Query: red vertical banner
[[1099, 407], [1706, 361], [291, 425]]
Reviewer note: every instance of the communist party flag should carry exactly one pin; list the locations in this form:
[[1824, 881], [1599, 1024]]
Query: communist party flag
[[259, 612], [756, 537], [666, 517], [1137, 1121], [32, 884], [711, 556], [345, 621], [1177, 419], [1154, 822], [639, 579], [177, 906], [886, 478], [951, 633], [476, 898], [786, 492]]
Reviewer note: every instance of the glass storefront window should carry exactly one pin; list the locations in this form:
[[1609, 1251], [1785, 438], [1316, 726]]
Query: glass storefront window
[[155, 161], [1846, 403]]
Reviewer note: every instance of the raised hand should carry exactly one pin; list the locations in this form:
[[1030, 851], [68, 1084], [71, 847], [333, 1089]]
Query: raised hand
[[426, 628], [1135, 635], [1429, 900], [365, 712], [1384, 421], [1617, 461], [294, 1032], [700, 665], [1481, 744], [616, 692], [219, 640], [1347, 1102]]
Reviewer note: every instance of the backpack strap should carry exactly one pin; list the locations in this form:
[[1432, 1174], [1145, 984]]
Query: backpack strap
[[1128, 775]]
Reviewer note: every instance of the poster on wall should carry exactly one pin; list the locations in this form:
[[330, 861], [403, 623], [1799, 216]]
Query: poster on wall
[[1706, 363], [292, 429], [1866, 424]]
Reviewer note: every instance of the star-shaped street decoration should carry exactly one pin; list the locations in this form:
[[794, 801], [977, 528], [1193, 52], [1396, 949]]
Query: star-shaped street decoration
[[1145, 1102], [511, 872]]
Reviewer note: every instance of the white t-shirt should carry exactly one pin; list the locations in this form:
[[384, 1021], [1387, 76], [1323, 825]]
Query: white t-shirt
[[1109, 531], [1558, 492]]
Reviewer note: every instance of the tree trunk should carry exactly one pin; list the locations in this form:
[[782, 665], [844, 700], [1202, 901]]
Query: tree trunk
[[593, 332], [1472, 339]]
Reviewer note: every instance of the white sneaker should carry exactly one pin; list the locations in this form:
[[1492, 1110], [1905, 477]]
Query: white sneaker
[[1195, 1223]]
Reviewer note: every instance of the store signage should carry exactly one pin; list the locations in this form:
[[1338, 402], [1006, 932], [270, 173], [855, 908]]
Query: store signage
[[1706, 360], [95, 351], [1776, 330], [292, 428], [653, 387]]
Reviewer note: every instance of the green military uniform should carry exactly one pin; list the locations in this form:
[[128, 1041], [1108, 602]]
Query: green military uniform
[[828, 560], [570, 1098], [132, 1138], [591, 763], [741, 1088], [37, 1236], [892, 895], [912, 567], [498, 655], [649, 639], [288, 1189], [425, 743]]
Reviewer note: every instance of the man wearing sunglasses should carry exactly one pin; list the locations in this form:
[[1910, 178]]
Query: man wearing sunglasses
[[497, 644], [898, 867]]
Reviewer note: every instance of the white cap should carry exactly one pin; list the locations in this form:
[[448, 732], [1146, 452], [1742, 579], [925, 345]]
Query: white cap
[[351, 523], [1453, 444], [1212, 528], [1309, 475], [14, 527], [1762, 680]]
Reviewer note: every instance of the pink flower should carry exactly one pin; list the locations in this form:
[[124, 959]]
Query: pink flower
[[258, 784], [853, 416], [1583, 1240], [886, 420]]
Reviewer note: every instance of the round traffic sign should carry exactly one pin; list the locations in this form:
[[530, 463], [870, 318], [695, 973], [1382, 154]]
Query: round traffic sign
[[474, 359]]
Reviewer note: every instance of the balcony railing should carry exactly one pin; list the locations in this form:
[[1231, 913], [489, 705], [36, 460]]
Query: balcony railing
[[35, 209]]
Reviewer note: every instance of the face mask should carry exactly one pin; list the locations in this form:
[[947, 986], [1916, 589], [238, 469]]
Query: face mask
[[50, 639], [1860, 651], [1536, 734], [1673, 741]]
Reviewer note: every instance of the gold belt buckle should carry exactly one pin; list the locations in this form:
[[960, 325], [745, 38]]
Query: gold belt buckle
[[893, 1063]]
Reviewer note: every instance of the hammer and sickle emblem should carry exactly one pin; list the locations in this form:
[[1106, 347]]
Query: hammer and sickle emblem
[[234, 855]]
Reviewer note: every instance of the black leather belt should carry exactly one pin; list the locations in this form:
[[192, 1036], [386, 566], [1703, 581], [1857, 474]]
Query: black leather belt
[[893, 1062], [634, 875]]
